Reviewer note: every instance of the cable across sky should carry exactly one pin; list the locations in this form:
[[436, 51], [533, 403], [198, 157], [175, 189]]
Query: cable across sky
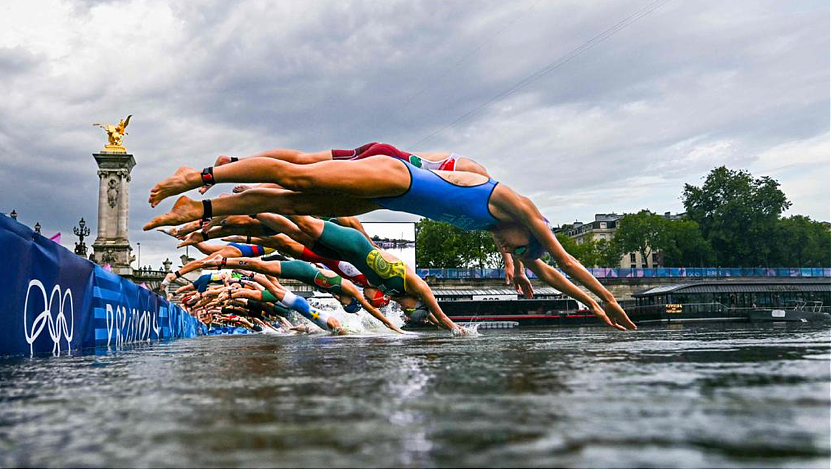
[[627, 21]]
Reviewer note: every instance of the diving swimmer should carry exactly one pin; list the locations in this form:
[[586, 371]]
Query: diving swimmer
[[465, 199]]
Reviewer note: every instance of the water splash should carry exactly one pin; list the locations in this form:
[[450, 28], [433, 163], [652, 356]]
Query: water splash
[[471, 329], [360, 322]]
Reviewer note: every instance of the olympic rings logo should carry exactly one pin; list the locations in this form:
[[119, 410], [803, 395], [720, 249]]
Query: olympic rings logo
[[58, 326]]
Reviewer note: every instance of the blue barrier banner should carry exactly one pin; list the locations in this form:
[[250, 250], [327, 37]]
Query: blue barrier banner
[[51, 300]]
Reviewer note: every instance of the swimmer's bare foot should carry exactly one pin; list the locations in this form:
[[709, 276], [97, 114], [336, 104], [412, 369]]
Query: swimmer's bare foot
[[240, 188], [193, 238], [214, 222], [184, 179], [183, 211]]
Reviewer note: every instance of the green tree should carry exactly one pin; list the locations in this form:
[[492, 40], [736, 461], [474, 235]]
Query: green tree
[[737, 215], [440, 244], [801, 242], [642, 232], [591, 253], [480, 250], [679, 242], [684, 246], [609, 253]]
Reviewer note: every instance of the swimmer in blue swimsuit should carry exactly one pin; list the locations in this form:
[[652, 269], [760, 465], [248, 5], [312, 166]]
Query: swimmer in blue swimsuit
[[230, 250], [348, 188]]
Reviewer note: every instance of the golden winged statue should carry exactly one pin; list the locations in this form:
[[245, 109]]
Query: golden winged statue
[[115, 134]]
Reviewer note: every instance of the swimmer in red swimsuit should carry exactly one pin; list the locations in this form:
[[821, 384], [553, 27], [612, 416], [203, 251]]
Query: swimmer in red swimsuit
[[447, 161]]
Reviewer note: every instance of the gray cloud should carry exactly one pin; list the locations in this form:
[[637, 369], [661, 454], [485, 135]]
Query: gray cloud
[[622, 127]]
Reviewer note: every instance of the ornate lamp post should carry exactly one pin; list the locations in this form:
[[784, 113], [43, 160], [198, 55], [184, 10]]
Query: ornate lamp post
[[13, 214], [81, 248], [37, 227]]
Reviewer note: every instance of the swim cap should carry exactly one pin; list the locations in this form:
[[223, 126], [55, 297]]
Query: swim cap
[[353, 307], [533, 250], [379, 300]]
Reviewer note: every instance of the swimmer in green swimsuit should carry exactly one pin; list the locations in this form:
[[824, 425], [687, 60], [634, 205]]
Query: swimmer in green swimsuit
[[345, 291], [349, 188], [383, 270]]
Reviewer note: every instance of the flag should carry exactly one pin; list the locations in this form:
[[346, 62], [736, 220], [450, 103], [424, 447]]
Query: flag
[[56, 238]]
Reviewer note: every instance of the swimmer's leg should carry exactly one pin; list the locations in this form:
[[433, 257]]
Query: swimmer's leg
[[209, 249], [291, 155], [282, 225], [288, 155], [264, 200], [372, 177], [322, 319]]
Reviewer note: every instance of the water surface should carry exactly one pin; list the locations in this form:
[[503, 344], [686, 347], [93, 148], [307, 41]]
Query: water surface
[[717, 395]]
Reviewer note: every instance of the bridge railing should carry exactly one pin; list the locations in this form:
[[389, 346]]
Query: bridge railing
[[660, 272]]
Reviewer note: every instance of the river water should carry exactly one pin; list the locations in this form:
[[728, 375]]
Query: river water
[[717, 395]]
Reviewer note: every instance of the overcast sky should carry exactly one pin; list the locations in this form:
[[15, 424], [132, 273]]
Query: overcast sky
[[621, 127]]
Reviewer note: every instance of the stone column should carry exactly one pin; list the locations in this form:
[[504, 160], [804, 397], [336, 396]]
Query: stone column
[[123, 209], [112, 246], [102, 206]]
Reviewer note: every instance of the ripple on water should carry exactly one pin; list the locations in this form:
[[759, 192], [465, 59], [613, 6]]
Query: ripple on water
[[703, 396]]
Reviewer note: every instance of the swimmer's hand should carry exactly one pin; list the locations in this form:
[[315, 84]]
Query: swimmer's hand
[[397, 330], [460, 331], [169, 232], [618, 316], [523, 285], [193, 238], [212, 261]]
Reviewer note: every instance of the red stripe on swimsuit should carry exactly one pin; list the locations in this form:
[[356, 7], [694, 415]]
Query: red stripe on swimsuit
[[332, 264], [369, 150]]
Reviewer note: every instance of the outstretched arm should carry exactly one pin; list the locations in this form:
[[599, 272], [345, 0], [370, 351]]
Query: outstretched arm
[[185, 288], [528, 214], [521, 283], [420, 288], [350, 289], [555, 279], [250, 263], [352, 222]]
